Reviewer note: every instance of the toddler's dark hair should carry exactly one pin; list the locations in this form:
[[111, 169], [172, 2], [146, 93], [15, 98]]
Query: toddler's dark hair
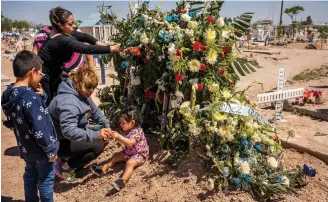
[[24, 61], [132, 113]]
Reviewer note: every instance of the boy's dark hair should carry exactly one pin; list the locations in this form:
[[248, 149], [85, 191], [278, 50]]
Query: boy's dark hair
[[24, 61], [132, 113], [59, 15]]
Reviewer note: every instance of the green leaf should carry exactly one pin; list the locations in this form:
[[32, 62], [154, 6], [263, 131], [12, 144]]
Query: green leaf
[[243, 23], [196, 2], [196, 9], [238, 26]]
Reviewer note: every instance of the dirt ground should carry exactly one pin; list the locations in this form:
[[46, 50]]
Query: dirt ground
[[156, 181]]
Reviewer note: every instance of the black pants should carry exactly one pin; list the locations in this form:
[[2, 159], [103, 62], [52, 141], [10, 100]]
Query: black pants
[[51, 88], [80, 153]]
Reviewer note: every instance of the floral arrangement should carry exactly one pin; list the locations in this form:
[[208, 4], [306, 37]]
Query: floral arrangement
[[310, 97], [177, 67]]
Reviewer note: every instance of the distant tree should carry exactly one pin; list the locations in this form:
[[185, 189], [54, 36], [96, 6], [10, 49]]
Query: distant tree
[[323, 33], [6, 23], [21, 24], [77, 23], [308, 20], [292, 12]]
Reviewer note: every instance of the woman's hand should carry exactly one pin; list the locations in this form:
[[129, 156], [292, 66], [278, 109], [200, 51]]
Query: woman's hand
[[115, 48], [104, 133], [52, 159]]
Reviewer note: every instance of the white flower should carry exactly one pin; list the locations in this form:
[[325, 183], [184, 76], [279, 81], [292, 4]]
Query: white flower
[[192, 24], [39, 117], [197, 107], [18, 107], [135, 82], [145, 16], [225, 34], [213, 87], [220, 22], [226, 94], [24, 150], [185, 17], [194, 65], [144, 39], [174, 104], [189, 32], [185, 105], [41, 109], [272, 163], [285, 180], [244, 168], [27, 137], [255, 138], [179, 94], [210, 184], [13, 114], [193, 81], [171, 48]]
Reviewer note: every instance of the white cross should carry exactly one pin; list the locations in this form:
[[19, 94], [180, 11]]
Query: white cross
[[280, 95]]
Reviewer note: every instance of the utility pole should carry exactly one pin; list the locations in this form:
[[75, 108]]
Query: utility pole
[[282, 8]]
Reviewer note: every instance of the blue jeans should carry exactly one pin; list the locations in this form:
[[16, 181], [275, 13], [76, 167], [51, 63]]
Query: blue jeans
[[39, 174]]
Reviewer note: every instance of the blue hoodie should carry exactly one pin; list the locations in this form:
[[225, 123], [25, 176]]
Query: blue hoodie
[[33, 127], [71, 112]]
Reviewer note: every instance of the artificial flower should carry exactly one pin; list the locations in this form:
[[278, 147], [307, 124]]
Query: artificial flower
[[213, 87], [285, 180], [210, 34], [244, 168], [185, 105], [189, 32], [174, 104], [193, 81], [210, 184], [221, 71], [220, 116], [225, 34], [144, 39], [202, 67], [210, 19], [185, 17], [171, 49], [203, 48], [196, 45], [220, 22], [226, 94], [272, 163], [194, 65], [179, 94], [199, 87], [145, 60], [225, 49], [192, 24], [178, 76], [212, 56], [193, 128], [135, 82]]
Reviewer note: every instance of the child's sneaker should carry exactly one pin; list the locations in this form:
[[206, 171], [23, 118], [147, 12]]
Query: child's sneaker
[[118, 184], [97, 170]]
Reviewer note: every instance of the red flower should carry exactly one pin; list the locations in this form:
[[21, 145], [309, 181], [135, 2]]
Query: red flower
[[202, 67], [232, 82], [221, 71], [199, 87], [276, 138], [178, 76], [196, 46], [150, 95], [210, 19], [203, 48], [179, 52], [145, 60], [226, 49]]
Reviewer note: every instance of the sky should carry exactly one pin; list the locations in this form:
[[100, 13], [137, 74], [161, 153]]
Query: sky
[[38, 11]]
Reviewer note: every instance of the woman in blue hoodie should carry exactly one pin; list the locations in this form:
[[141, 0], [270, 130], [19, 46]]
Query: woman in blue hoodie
[[71, 110]]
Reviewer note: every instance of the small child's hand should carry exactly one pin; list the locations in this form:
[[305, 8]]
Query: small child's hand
[[114, 134], [39, 89]]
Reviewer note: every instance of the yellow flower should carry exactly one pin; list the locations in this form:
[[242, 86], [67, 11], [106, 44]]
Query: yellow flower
[[194, 65], [192, 24], [210, 34], [245, 167], [213, 87], [220, 116], [212, 56], [226, 94]]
